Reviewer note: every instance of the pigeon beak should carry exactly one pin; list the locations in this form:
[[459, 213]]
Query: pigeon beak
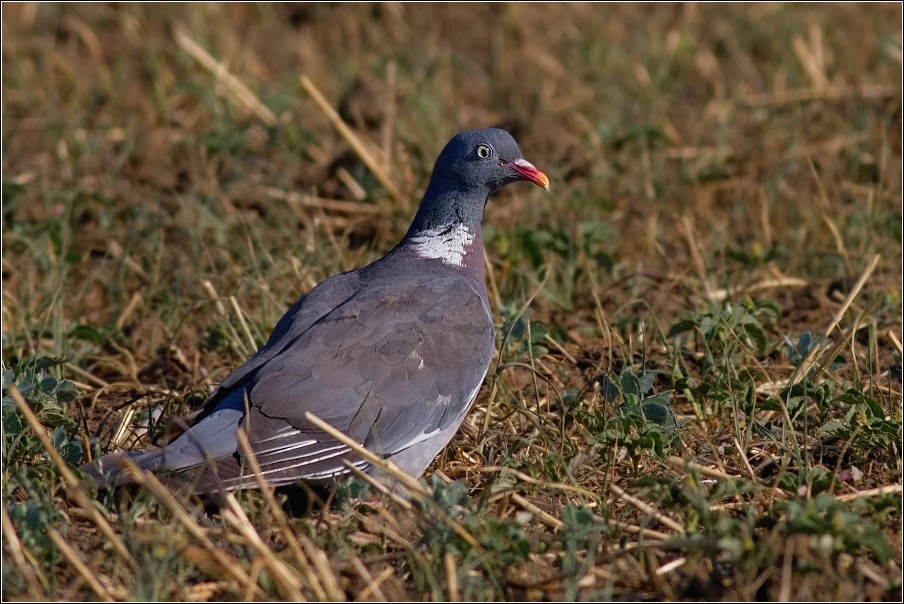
[[527, 171]]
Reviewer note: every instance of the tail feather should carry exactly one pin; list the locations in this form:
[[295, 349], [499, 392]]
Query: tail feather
[[109, 470]]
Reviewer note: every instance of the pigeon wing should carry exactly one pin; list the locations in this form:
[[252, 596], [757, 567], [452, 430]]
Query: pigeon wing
[[391, 367], [309, 309]]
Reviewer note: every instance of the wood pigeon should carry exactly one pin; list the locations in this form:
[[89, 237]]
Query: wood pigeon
[[391, 354]]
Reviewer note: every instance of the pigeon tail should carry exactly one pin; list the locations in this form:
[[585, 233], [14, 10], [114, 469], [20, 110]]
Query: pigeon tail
[[109, 470]]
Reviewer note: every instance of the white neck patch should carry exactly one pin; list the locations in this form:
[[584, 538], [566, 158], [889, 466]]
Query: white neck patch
[[446, 242]]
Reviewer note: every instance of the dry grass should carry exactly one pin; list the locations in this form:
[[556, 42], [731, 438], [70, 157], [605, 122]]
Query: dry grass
[[725, 179]]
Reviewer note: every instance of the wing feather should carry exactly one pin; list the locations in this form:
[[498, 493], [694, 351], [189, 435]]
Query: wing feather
[[390, 366]]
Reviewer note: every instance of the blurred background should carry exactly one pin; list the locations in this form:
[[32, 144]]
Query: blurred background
[[684, 142]]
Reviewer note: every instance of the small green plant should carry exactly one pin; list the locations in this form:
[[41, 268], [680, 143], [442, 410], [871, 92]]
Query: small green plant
[[565, 249], [728, 332], [805, 345], [834, 528], [580, 533], [642, 421], [30, 484], [503, 541], [864, 426], [47, 393], [520, 335]]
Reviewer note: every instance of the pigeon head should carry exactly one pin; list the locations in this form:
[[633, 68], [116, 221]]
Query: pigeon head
[[478, 162], [471, 167]]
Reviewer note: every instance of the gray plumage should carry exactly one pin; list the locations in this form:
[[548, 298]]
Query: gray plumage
[[391, 354]]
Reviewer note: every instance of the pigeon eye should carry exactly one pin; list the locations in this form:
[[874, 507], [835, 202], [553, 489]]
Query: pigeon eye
[[484, 151]]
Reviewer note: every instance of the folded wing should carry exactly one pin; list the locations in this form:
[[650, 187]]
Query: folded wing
[[391, 367]]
